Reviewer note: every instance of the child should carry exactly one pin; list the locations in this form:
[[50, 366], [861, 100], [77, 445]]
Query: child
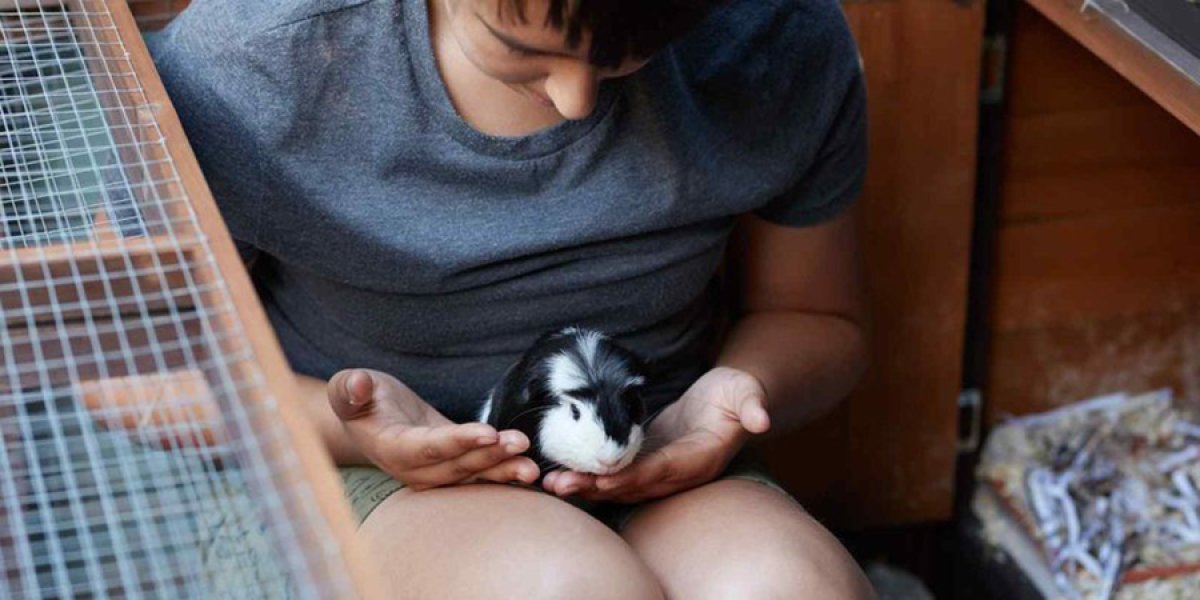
[[422, 187]]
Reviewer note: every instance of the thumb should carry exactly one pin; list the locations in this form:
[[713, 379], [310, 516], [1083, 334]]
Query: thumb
[[351, 394], [752, 412]]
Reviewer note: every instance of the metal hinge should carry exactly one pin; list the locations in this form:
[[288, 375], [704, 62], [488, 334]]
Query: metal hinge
[[970, 420]]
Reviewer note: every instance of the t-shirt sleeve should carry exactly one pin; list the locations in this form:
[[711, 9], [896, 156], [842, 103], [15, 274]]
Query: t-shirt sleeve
[[787, 79], [209, 69], [833, 179]]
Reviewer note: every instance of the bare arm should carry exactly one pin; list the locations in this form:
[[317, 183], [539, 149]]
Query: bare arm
[[802, 331]]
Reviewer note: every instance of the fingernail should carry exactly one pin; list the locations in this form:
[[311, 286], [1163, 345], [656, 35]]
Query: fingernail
[[571, 489], [348, 383], [513, 444]]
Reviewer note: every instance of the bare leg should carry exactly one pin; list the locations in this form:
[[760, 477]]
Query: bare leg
[[493, 541], [741, 539]]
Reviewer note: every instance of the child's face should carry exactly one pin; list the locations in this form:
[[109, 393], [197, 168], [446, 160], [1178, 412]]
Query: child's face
[[530, 57]]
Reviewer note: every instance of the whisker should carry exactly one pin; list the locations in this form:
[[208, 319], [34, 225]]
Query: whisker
[[528, 411]]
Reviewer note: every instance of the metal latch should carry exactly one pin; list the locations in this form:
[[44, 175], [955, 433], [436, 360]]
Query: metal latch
[[995, 68], [970, 420]]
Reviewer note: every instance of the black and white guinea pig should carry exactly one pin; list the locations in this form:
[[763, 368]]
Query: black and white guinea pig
[[577, 394]]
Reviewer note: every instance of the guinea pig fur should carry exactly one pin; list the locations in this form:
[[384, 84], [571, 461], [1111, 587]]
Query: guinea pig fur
[[577, 394]]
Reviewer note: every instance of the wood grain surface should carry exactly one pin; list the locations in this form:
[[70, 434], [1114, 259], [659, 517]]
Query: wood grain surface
[[1159, 80], [886, 456], [1098, 274]]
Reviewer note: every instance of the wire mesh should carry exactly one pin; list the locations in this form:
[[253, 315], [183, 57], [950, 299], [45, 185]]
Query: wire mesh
[[139, 455]]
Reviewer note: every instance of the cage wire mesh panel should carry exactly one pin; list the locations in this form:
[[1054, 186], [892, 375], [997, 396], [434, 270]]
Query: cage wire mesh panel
[[138, 453], [59, 152]]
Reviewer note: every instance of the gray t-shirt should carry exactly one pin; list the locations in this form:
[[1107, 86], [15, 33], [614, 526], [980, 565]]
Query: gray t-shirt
[[392, 235]]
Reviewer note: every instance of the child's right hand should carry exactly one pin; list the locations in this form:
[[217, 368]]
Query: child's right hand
[[411, 441]]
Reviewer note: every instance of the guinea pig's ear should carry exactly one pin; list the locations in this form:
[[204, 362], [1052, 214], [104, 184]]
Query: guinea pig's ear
[[634, 403]]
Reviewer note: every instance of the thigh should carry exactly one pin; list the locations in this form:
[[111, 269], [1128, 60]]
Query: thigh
[[496, 541], [735, 538]]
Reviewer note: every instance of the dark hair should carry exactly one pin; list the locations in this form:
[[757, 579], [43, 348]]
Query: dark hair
[[621, 29]]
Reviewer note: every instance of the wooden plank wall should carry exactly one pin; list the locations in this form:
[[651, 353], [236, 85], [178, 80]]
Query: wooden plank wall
[[1098, 274], [886, 455]]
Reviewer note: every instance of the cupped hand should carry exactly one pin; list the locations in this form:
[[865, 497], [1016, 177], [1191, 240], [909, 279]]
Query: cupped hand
[[696, 438], [410, 440]]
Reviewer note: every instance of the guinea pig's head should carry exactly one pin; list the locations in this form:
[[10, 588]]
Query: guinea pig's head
[[596, 412]]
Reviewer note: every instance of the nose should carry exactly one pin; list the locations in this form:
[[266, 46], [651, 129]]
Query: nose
[[608, 463], [573, 88]]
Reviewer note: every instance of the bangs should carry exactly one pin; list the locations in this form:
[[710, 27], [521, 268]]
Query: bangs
[[620, 29]]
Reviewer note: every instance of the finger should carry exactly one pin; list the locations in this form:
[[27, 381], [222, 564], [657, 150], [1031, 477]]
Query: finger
[[351, 393], [668, 465], [556, 481], [621, 480], [663, 472], [424, 446], [586, 485], [630, 495], [476, 460], [648, 470], [520, 469], [620, 494], [633, 495], [469, 464], [752, 412], [571, 482]]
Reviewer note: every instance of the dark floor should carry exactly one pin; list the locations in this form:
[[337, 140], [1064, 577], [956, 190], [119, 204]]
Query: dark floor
[[952, 562]]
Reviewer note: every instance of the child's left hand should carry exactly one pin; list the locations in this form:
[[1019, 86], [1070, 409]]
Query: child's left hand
[[695, 437]]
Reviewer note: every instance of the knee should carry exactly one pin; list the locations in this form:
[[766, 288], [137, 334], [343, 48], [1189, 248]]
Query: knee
[[735, 539], [781, 568], [796, 558], [585, 570], [484, 541]]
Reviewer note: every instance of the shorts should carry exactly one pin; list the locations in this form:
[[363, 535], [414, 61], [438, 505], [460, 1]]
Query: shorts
[[368, 487]]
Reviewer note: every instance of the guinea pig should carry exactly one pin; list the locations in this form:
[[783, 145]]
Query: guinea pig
[[577, 394]]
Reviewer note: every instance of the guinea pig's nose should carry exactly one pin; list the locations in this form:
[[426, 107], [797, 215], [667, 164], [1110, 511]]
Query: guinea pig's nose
[[608, 464]]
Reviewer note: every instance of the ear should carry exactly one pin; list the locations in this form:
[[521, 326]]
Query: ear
[[635, 404], [510, 393]]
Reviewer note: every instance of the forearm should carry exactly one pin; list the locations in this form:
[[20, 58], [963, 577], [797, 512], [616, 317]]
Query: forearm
[[315, 400], [806, 362]]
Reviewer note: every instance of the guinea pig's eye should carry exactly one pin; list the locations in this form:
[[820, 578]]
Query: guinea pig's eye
[[575, 412]]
